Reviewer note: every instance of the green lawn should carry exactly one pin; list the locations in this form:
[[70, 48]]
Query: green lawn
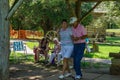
[[31, 44], [103, 54], [113, 39], [113, 30], [20, 57], [103, 51]]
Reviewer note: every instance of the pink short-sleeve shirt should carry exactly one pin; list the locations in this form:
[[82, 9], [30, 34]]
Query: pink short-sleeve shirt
[[78, 32]]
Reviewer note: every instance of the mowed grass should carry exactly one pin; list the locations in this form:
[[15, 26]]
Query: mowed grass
[[116, 31], [16, 57], [104, 51], [113, 30], [31, 45], [113, 39]]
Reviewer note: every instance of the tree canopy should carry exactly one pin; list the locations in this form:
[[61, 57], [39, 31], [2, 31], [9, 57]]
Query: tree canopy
[[47, 14], [111, 17], [37, 14]]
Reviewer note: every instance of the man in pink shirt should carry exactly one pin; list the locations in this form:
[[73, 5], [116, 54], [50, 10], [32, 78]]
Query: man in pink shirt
[[78, 36]]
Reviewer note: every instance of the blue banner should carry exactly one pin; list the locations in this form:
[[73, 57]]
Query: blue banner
[[18, 46]]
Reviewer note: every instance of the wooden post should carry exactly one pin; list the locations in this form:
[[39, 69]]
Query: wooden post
[[4, 40]]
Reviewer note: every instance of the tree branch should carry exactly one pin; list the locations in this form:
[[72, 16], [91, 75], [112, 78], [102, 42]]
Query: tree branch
[[90, 11], [15, 1], [15, 7]]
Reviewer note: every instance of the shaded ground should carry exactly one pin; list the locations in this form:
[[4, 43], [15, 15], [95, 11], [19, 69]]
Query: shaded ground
[[31, 71]]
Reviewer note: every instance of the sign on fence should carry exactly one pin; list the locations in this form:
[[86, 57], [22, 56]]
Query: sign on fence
[[18, 46]]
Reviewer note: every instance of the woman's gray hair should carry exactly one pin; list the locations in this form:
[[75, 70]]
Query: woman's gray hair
[[55, 39]]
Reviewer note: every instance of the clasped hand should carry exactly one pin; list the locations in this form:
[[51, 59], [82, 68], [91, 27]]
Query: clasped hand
[[76, 38]]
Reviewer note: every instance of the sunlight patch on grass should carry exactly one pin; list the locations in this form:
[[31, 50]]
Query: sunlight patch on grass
[[104, 51], [20, 57], [32, 44], [113, 39]]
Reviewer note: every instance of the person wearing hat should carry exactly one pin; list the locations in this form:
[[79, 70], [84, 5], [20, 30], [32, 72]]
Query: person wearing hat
[[66, 47], [55, 52], [78, 35]]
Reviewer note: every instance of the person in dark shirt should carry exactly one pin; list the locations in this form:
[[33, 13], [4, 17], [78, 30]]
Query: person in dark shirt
[[42, 49]]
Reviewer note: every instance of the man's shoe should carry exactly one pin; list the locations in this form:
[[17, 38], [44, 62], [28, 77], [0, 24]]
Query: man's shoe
[[61, 77], [68, 74], [77, 77]]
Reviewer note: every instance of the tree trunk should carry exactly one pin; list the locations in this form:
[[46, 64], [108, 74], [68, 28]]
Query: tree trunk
[[72, 11], [46, 25], [4, 40], [78, 9]]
